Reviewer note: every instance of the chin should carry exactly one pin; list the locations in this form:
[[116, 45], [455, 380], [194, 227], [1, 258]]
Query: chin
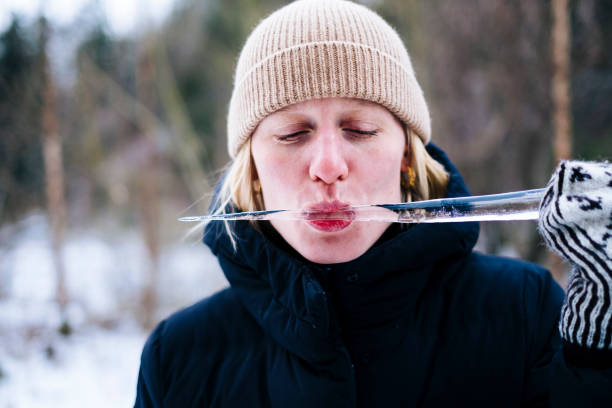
[[334, 246], [339, 247], [329, 255]]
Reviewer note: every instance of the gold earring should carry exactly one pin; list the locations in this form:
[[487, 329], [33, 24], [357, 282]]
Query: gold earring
[[411, 177]]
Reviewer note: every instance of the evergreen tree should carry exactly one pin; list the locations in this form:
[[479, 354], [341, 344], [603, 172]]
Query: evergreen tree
[[21, 171]]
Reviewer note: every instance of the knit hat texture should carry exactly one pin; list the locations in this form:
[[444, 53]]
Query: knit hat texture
[[314, 49]]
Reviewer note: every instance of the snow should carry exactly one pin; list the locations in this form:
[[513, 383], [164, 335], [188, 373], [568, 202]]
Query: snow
[[93, 367], [97, 364]]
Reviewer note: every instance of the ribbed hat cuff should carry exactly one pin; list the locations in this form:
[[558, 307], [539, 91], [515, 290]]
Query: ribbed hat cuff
[[322, 70]]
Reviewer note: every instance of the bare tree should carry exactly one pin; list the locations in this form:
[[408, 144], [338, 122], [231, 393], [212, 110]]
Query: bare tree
[[561, 80], [148, 181], [54, 172], [562, 137]]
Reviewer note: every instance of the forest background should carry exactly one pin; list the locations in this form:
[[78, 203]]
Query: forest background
[[105, 140]]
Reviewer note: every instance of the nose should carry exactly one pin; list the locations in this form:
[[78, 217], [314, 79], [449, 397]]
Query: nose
[[328, 163]]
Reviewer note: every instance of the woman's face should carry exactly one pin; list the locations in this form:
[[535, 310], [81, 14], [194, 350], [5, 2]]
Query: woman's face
[[325, 154]]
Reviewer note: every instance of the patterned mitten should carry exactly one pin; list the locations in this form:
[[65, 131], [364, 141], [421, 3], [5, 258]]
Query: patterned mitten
[[576, 222]]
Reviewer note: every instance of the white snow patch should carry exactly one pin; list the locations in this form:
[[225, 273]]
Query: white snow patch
[[94, 366]]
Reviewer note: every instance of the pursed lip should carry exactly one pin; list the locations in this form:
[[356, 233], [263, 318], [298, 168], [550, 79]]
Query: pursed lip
[[329, 216]]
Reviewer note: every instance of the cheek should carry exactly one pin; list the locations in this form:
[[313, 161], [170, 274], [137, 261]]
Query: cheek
[[382, 173], [279, 178]]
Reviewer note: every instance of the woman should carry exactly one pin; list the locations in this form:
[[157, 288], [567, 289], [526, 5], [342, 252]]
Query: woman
[[326, 113]]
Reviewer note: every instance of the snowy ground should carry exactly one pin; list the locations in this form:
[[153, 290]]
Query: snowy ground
[[96, 365], [91, 368]]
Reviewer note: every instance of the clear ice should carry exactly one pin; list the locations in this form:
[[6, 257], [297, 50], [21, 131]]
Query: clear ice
[[519, 205]]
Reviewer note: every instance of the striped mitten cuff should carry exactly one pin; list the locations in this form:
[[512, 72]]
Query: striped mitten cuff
[[576, 222]]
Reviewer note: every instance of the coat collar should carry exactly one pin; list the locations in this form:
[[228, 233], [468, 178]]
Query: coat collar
[[287, 294]]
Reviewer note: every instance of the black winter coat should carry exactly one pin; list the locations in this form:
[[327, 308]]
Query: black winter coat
[[420, 320]]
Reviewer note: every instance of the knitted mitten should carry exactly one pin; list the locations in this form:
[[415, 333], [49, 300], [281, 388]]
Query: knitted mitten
[[576, 222]]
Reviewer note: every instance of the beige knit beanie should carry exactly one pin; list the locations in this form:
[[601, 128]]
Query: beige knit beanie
[[318, 49]]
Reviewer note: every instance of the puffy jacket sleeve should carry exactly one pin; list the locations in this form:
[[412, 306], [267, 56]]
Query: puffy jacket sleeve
[[149, 390], [543, 298], [581, 377], [560, 374]]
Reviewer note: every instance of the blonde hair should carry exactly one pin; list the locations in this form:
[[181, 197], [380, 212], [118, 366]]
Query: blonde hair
[[431, 178], [238, 187]]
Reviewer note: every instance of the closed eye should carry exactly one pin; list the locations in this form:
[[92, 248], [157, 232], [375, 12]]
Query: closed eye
[[291, 137], [361, 133]]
